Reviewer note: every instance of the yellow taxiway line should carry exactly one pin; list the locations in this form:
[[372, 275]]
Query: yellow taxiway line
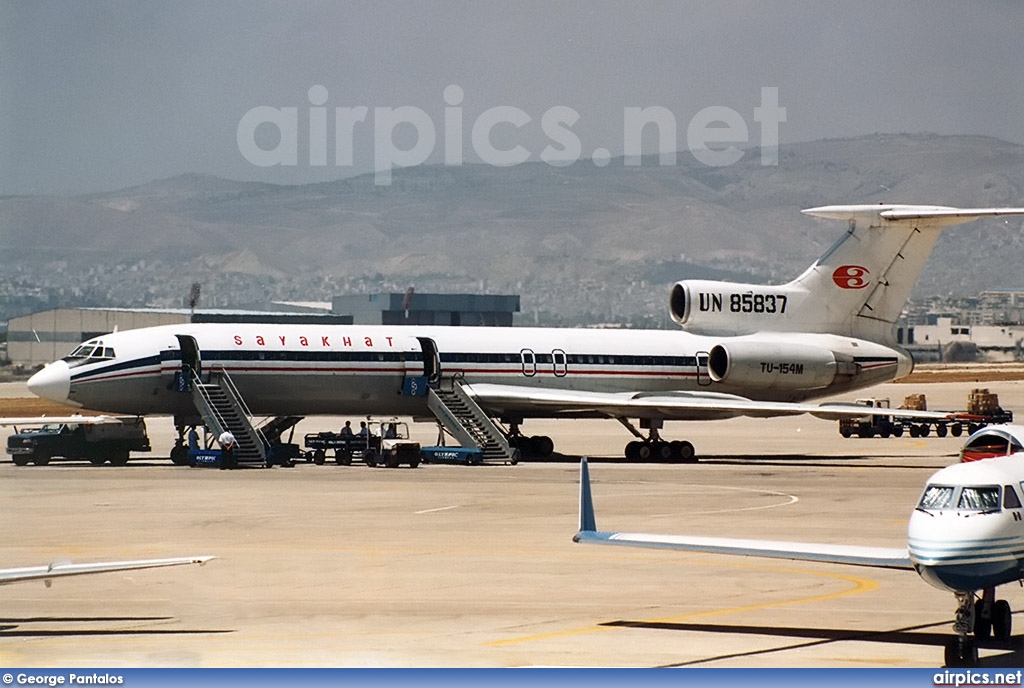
[[860, 585]]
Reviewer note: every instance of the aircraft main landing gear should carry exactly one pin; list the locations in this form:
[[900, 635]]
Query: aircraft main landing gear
[[653, 447], [537, 446], [676, 451], [179, 452], [992, 617]]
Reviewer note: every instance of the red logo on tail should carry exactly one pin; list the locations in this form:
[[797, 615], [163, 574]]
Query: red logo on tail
[[850, 277]]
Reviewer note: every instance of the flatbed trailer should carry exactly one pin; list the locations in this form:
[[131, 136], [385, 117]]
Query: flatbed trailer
[[983, 410], [386, 443], [344, 447]]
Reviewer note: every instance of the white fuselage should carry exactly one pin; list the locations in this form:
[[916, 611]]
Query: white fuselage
[[350, 369], [965, 546]]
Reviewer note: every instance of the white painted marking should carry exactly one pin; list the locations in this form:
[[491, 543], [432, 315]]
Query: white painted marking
[[442, 508], [702, 489]]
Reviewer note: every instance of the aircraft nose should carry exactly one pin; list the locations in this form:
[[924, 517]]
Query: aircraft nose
[[52, 383]]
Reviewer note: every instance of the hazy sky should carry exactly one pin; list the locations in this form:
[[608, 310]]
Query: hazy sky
[[102, 95]]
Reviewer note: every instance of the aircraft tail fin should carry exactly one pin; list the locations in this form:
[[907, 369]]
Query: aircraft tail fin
[[859, 286]]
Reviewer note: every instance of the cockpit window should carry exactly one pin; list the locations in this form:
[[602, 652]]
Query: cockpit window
[[1010, 498], [979, 498], [90, 352], [937, 497]]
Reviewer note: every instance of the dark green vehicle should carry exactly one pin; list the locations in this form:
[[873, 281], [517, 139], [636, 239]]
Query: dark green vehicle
[[96, 443]]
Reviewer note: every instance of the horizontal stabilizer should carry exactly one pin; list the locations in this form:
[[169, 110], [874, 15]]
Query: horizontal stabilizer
[[921, 215], [965, 214]]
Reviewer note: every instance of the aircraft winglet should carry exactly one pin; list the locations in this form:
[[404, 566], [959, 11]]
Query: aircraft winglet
[[588, 524]]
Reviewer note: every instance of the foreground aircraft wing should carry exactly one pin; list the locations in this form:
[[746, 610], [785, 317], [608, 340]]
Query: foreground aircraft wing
[[876, 557], [667, 405], [47, 420], [60, 569]]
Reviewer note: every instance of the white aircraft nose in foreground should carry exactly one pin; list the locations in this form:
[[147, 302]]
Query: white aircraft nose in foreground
[[965, 535], [744, 349], [52, 383]]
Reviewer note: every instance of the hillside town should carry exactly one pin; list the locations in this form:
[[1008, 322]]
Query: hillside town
[[988, 326]]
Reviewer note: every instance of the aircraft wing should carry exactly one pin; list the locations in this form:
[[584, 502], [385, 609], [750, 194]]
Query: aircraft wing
[[47, 420], [876, 557], [667, 405], [60, 569]]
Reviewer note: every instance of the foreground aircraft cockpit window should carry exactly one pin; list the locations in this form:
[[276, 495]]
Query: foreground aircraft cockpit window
[[979, 498], [984, 498], [90, 352], [937, 497]]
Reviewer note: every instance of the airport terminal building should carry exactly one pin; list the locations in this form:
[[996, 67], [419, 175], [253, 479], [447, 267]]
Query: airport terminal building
[[409, 308], [39, 338]]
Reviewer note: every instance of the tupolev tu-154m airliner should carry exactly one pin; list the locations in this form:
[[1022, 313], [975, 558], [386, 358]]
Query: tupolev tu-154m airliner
[[743, 350]]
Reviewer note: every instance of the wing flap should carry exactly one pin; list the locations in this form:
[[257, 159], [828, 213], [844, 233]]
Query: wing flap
[[667, 405]]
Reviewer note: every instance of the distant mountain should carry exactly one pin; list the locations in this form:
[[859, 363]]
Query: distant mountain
[[569, 231]]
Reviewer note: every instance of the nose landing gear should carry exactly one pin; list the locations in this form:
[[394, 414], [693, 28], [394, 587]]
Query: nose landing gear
[[983, 616]]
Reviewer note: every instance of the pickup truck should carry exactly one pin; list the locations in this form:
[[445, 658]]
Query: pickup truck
[[94, 442]]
